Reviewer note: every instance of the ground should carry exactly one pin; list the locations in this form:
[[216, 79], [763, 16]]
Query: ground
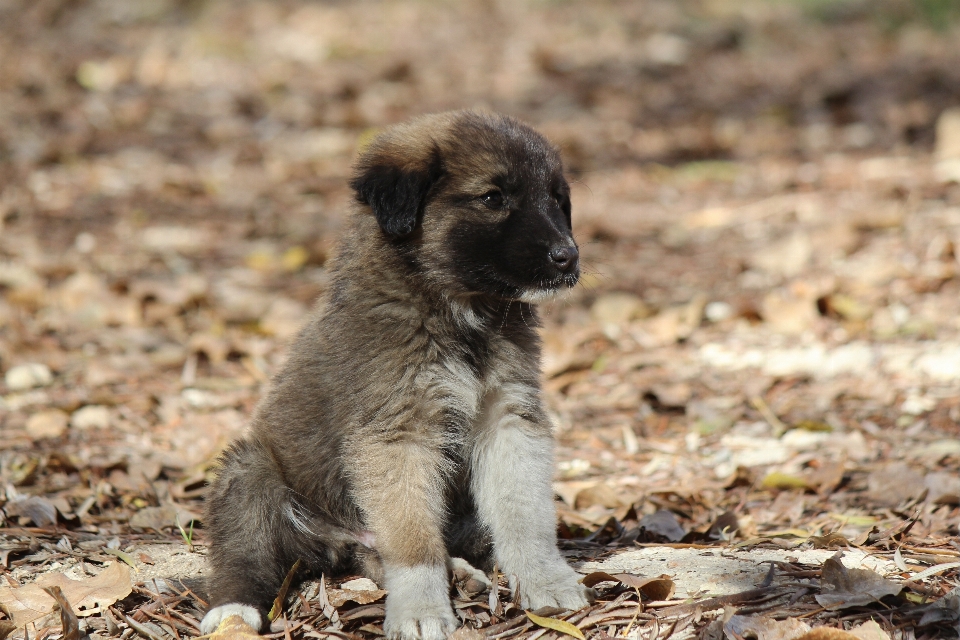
[[760, 367]]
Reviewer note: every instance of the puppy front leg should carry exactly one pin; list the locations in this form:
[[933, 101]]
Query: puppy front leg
[[399, 487], [511, 481]]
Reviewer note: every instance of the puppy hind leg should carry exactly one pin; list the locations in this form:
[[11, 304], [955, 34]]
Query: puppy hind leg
[[257, 532]]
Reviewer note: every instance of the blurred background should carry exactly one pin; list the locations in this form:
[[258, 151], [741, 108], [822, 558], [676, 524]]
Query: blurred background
[[766, 193]]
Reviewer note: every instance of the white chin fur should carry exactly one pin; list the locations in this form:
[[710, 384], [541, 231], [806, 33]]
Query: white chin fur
[[538, 295]]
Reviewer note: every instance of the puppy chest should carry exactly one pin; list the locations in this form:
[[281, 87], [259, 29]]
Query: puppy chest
[[457, 387]]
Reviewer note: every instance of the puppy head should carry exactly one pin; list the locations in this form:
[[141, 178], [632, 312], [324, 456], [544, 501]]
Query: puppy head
[[478, 201]]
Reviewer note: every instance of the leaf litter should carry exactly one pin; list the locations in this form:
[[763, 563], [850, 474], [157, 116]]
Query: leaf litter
[[759, 369]]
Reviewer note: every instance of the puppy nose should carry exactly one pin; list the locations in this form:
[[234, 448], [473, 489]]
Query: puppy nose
[[565, 258]]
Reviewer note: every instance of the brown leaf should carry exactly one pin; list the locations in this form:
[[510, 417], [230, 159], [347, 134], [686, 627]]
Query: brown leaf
[[842, 588], [35, 508], [829, 541], [68, 620], [338, 597], [595, 578], [28, 603], [724, 527], [763, 628], [282, 593], [653, 588], [662, 524]]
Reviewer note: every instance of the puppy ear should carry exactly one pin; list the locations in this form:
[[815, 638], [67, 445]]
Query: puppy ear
[[396, 193]]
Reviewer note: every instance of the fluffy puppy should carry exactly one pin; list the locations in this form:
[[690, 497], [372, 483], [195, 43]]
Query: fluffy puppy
[[407, 427]]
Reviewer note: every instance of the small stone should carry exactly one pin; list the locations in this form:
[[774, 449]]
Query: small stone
[[92, 416], [360, 584], [28, 376], [668, 49], [948, 135], [718, 311], [948, 146], [51, 423]]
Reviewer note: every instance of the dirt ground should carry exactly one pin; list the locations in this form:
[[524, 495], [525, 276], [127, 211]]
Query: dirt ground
[[761, 365]]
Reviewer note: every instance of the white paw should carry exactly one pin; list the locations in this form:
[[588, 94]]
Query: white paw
[[421, 625], [217, 615], [464, 572], [418, 603], [555, 586]]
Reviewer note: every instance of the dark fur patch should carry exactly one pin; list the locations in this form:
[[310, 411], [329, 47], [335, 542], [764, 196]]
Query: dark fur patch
[[397, 194]]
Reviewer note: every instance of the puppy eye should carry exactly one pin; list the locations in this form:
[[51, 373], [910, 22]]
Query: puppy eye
[[492, 199]]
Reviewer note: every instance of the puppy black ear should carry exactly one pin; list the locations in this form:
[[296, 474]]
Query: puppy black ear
[[396, 194]]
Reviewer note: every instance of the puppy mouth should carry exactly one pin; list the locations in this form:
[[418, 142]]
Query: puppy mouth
[[548, 289]]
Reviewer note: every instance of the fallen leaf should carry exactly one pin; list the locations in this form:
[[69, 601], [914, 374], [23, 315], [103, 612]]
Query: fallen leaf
[[842, 588], [943, 487], [829, 541], [946, 609], [724, 527], [68, 620], [557, 625], [126, 557], [282, 593], [30, 602], [783, 481], [338, 597], [763, 628], [662, 524], [163, 517], [38, 510], [894, 483]]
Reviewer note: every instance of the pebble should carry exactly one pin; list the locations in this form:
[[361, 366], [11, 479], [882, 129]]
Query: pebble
[[28, 376], [51, 423], [92, 416]]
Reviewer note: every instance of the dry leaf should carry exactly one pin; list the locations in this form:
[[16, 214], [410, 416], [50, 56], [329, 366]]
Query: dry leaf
[[653, 588], [31, 602], [282, 593], [763, 628], [842, 587], [783, 481], [338, 597], [68, 620], [557, 625], [661, 524]]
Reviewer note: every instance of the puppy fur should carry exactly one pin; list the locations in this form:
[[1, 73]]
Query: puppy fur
[[407, 427]]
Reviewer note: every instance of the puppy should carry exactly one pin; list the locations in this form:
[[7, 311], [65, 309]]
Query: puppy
[[407, 427]]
